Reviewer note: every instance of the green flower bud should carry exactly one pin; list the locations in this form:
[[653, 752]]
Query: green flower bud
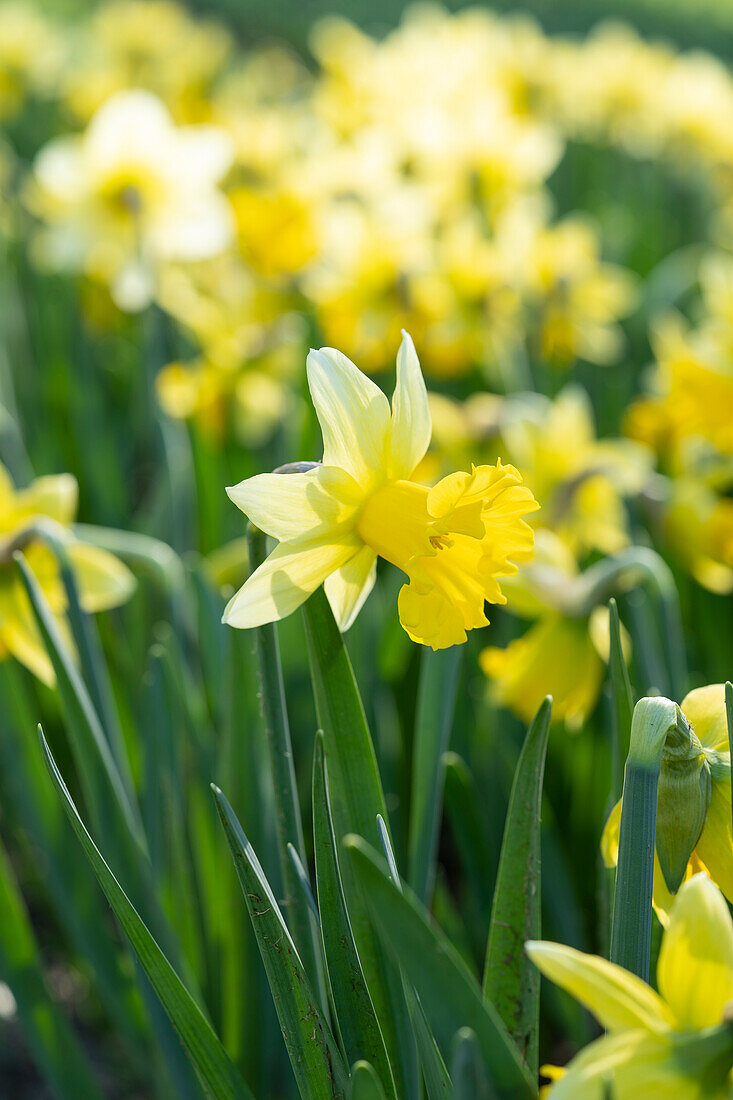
[[683, 798]]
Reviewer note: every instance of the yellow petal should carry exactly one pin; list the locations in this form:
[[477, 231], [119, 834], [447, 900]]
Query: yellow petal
[[715, 846], [353, 413], [635, 1065], [554, 657], [286, 579], [103, 580], [55, 496], [348, 587], [303, 505], [704, 709], [19, 635], [617, 999], [411, 425], [695, 969]]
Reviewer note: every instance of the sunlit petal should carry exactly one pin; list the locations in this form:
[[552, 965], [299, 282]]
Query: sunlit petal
[[298, 505], [348, 587], [411, 426]]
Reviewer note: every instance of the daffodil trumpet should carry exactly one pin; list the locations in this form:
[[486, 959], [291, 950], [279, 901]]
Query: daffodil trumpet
[[333, 520]]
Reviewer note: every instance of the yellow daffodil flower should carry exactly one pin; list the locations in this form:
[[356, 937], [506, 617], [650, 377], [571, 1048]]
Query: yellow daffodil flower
[[151, 44], [30, 54], [103, 581], [560, 655], [453, 541], [675, 1043], [704, 709], [130, 193]]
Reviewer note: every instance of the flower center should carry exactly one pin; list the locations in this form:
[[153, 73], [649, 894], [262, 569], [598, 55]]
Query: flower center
[[396, 523]]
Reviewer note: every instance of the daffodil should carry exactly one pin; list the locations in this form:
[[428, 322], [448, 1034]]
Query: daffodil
[[453, 541], [131, 193], [560, 654], [103, 581], [674, 1043], [709, 812]]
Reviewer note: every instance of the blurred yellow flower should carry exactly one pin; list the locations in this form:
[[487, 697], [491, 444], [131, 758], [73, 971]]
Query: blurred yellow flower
[[30, 54], [675, 1043], [332, 521], [102, 579], [580, 481], [558, 655], [704, 709], [150, 44], [132, 192]]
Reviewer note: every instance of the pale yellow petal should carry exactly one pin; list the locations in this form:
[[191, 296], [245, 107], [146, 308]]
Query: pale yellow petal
[[19, 635], [348, 587], [285, 580], [411, 424], [102, 579], [635, 1065], [55, 496], [704, 709], [618, 999], [695, 969], [300, 505], [609, 839], [353, 413]]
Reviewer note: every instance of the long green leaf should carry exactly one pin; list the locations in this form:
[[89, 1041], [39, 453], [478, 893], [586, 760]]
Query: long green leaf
[[435, 705], [356, 799], [53, 1044], [622, 700], [467, 1072], [288, 821], [360, 1033], [217, 1073], [364, 1083], [108, 799], [511, 982], [317, 1064], [448, 992]]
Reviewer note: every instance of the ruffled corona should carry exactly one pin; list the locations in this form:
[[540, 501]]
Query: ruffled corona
[[453, 541]]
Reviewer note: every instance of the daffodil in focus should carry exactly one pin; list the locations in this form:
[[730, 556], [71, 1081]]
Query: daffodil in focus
[[48, 503], [132, 192], [693, 804], [453, 541], [674, 1043]]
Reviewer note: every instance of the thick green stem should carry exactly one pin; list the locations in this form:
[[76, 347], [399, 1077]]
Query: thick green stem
[[632, 911]]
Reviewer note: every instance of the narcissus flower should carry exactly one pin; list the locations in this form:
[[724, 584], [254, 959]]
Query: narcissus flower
[[453, 541], [103, 581], [132, 192], [675, 1043], [694, 794]]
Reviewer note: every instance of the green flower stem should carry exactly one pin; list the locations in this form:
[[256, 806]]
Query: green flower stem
[[578, 596], [729, 716], [288, 823], [632, 912]]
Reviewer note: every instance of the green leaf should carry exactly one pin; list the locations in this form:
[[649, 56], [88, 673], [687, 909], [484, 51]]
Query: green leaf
[[511, 982], [288, 821], [109, 801], [217, 1073], [622, 700], [364, 1083], [356, 799], [361, 1036], [52, 1043], [467, 1070], [317, 1064], [447, 990], [435, 706]]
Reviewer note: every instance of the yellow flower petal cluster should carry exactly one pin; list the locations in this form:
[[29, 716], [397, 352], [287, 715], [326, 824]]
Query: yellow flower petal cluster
[[704, 709], [130, 193], [674, 1043], [103, 581], [453, 541]]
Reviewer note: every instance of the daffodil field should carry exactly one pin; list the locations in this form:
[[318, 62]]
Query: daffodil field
[[366, 551]]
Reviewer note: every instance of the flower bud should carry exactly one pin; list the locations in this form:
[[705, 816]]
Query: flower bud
[[683, 799]]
